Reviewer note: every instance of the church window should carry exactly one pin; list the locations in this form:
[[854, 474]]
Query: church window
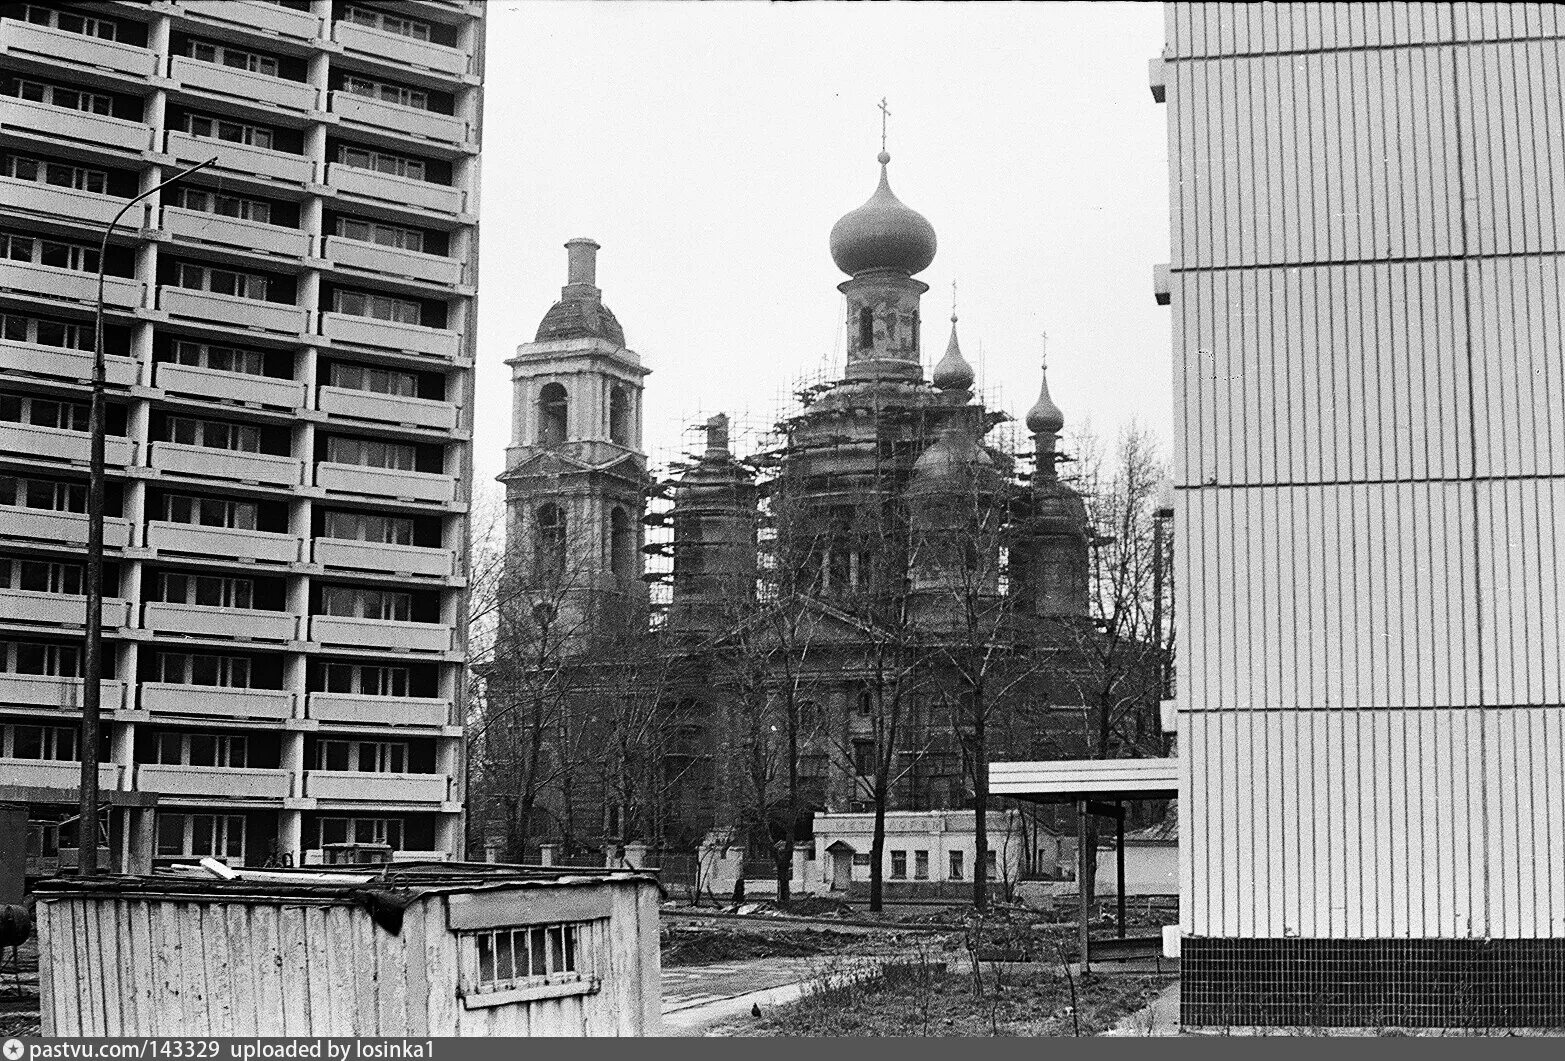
[[549, 541], [866, 328], [621, 542], [619, 416], [553, 408]]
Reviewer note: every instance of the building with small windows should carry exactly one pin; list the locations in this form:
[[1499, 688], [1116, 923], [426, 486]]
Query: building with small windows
[[289, 346]]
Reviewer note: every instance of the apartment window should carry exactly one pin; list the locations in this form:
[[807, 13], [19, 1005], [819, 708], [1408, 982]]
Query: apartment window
[[43, 412], [363, 756], [59, 174], [213, 128], [200, 835], [386, 92], [214, 434], [40, 742], [201, 668], [386, 831], [71, 99], [511, 959], [368, 527], [53, 253], [16, 328], [406, 27], [221, 281], [219, 358], [201, 749], [956, 865], [41, 576], [71, 22], [31, 657], [376, 380], [382, 162], [381, 307], [359, 680], [210, 512], [359, 603], [920, 865], [899, 865], [408, 239], [237, 58], [17, 492], [210, 202], [371, 453], [209, 591]]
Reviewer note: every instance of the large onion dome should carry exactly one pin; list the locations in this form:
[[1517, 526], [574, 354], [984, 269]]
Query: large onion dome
[[883, 234]]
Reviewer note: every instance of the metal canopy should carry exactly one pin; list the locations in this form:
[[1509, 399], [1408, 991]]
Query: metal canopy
[[1069, 780]]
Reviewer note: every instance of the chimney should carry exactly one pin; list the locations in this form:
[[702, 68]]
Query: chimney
[[583, 259]]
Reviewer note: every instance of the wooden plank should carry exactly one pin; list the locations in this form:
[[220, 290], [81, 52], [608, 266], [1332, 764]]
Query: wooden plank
[[440, 961], [52, 1002], [497, 908], [415, 991], [302, 975]]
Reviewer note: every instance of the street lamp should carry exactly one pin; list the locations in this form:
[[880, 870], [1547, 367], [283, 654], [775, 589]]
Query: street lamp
[[92, 662]]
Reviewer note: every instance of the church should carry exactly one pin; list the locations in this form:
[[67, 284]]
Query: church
[[854, 620]]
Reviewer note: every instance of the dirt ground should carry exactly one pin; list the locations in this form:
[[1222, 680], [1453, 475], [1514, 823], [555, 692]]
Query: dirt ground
[[686, 945], [19, 990]]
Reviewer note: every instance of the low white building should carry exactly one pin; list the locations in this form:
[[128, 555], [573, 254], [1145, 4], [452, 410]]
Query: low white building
[[926, 848]]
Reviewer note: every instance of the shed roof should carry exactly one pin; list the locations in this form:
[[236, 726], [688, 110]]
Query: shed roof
[[1068, 780]]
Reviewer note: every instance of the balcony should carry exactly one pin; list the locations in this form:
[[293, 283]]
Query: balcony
[[58, 123], [61, 694], [384, 482], [386, 634], [390, 559], [61, 609], [263, 468], [404, 51], [253, 15], [208, 308], [74, 365], [233, 232], [194, 75], [357, 254], [396, 191], [200, 620], [74, 49], [220, 782], [44, 281], [402, 121], [350, 708], [35, 197], [224, 542], [60, 528], [238, 387], [387, 408], [56, 773], [240, 160], [57, 444], [388, 335], [362, 785], [165, 698]]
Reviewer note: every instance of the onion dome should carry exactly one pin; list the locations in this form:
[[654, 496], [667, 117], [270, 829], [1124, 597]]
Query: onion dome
[[954, 462], [952, 372], [883, 234], [1045, 415]]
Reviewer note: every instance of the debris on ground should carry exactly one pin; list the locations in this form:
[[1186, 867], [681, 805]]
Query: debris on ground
[[703, 945]]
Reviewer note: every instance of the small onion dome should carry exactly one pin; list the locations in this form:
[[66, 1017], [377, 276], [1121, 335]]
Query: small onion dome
[[952, 372], [883, 234], [1045, 415], [953, 463]]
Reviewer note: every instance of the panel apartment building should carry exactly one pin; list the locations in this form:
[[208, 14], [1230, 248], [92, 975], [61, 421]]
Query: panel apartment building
[[289, 340], [1368, 206]]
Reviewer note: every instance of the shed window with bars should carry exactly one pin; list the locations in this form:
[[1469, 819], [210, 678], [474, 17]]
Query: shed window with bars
[[538, 961]]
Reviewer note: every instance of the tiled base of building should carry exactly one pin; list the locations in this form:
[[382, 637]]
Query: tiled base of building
[[1341, 983]]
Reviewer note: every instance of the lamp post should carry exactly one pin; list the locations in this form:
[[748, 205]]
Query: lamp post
[[92, 661]]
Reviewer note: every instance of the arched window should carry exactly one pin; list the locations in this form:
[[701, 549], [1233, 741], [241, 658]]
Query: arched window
[[549, 540], [619, 416], [866, 328], [553, 408], [622, 544]]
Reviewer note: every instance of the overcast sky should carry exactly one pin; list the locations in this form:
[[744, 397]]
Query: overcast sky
[[709, 147]]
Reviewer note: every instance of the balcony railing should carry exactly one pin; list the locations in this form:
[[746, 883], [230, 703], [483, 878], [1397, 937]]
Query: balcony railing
[[64, 609], [384, 482], [396, 191], [225, 542], [210, 308], [394, 47], [370, 787], [62, 694], [241, 160], [404, 121], [234, 232], [379, 633], [226, 782], [391, 559], [388, 335], [357, 254], [67, 203], [56, 773], [180, 459], [192, 74], [209, 621], [60, 528], [387, 408], [75, 365], [98, 130], [255, 15], [230, 386], [57, 444], [44, 281], [74, 49], [378, 710], [165, 698]]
